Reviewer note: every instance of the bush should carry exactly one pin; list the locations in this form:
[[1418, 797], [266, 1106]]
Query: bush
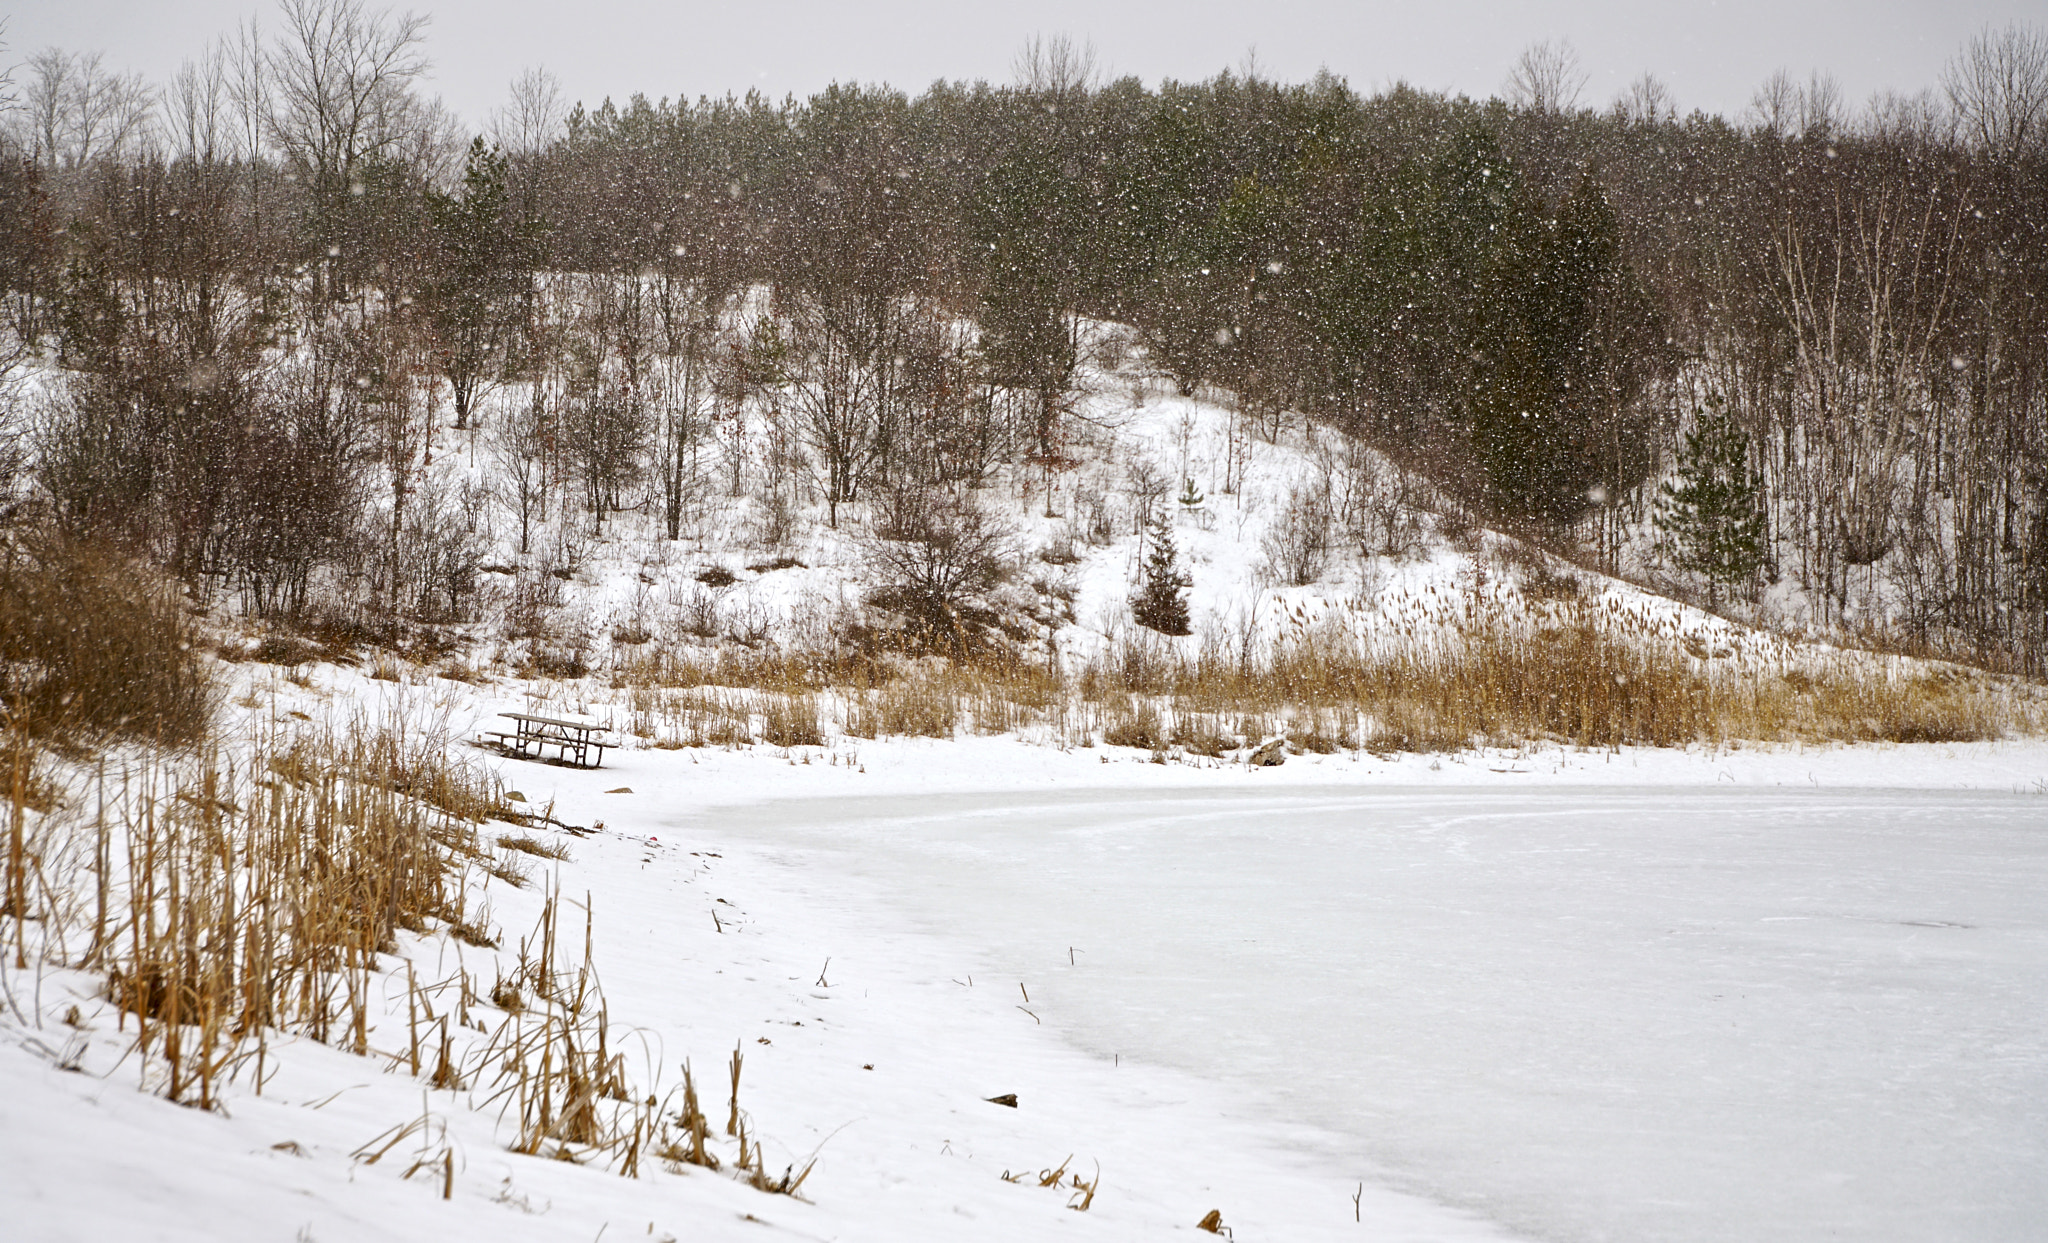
[[938, 557], [93, 645], [1297, 547]]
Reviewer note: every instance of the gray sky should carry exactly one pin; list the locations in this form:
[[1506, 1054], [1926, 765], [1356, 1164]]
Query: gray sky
[[1710, 53]]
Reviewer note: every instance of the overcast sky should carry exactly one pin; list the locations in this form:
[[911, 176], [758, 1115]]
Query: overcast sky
[[1710, 54]]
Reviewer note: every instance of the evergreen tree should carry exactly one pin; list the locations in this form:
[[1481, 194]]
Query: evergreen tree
[[1161, 601], [1710, 516], [475, 296]]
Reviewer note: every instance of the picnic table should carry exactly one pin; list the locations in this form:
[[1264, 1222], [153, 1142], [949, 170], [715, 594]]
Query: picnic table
[[581, 743]]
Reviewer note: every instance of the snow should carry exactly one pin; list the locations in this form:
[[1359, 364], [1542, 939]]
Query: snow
[[1766, 992], [1644, 1013], [1769, 994]]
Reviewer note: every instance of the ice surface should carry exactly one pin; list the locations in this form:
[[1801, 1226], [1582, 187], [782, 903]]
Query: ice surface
[[1642, 1014], [1507, 996]]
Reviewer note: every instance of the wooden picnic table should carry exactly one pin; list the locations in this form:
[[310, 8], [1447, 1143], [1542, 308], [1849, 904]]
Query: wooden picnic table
[[581, 743]]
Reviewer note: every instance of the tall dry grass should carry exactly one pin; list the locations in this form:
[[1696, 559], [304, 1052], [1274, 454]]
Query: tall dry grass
[[255, 893], [225, 897], [94, 646], [1463, 671], [1569, 678]]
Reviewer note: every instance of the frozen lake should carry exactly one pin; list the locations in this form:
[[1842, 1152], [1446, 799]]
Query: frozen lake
[[1627, 1014]]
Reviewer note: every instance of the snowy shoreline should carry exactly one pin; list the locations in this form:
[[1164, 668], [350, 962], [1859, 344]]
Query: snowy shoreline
[[704, 936]]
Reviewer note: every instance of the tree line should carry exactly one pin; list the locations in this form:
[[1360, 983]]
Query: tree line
[[268, 277]]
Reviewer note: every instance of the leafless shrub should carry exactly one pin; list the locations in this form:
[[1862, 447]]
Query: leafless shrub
[[1060, 549], [696, 614], [1297, 545], [1376, 512], [442, 551], [1096, 518], [939, 556]]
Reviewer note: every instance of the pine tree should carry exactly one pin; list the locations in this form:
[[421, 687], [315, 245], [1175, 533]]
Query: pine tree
[[1710, 516], [1161, 601], [475, 297]]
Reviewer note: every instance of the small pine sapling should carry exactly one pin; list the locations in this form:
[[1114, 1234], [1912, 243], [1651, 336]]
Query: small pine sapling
[[1710, 518], [1161, 601]]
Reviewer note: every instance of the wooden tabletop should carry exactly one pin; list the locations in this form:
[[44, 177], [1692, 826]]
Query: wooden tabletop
[[580, 726]]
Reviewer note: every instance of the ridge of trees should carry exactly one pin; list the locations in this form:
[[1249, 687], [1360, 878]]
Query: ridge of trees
[[261, 293]]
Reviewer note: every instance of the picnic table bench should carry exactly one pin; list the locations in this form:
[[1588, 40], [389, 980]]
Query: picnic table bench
[[581, 743]]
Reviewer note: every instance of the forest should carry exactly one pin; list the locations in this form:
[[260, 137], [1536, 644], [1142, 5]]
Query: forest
[[238, 303]]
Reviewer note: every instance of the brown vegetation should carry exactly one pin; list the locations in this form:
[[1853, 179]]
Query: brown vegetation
[[1566, 668], [93, 646]]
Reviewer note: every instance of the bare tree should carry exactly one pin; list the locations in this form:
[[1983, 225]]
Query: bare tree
[[938, 555], [249, 89], [1054, 65], [1547, 78], [1784, 108], [340, 76], [681, 393], [43, 105], [1774, 107], [1866, 291], [340, 84], [606, 434], [77, 111], [1647, 101], [851, 384], [533, 118], [10, 98], [198, 108], [1912, 121], [1820, 106], [1998, 85], [520, 448]]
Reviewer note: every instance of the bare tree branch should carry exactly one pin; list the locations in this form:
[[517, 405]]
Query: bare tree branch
[[1547, 78]]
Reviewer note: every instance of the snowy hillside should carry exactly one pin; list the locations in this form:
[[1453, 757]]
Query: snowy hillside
[[448, 1085], [510, 1062], [1114, 659], [1323, 585]]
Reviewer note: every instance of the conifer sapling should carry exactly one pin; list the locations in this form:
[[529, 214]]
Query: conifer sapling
[[1710, 516], [1161, 601]]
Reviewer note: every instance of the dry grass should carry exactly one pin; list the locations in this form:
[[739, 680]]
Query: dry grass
[[1472, 668], [1132, 721], [555, 1063], [791, 721], [534, 846], [671, 719], [559, 1069], [919, 707], [1573, 674], [224, 899], [94, 647], [1082, 1190]]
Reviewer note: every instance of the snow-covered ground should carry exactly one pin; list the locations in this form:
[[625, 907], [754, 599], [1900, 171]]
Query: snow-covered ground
[[1767, 992], [1757, 994], [1676, 1013]]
